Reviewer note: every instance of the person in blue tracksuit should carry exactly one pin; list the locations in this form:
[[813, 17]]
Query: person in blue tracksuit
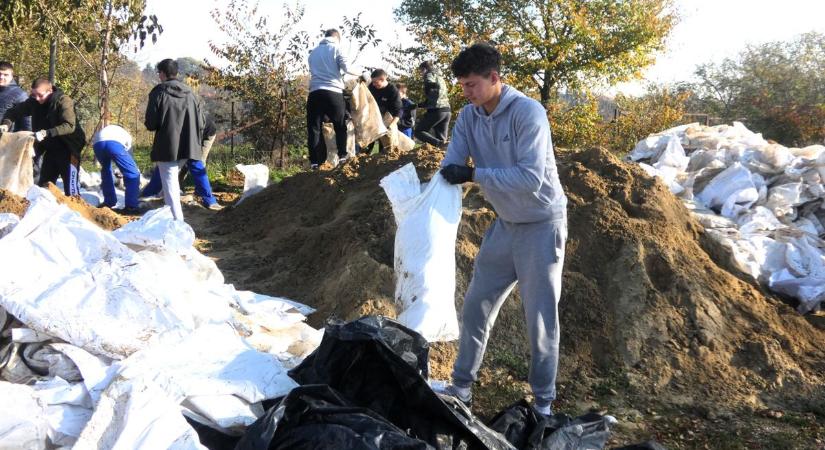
[[112, 144], [406, 121], [507, 135]]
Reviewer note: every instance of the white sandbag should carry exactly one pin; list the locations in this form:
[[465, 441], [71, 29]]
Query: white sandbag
[[783, 198], [425, 251], [726, 184], [255, 179], [649, 147], [22, 418], [156, 229], [211, 367], [92, 291], [672, 156], [16, 156]]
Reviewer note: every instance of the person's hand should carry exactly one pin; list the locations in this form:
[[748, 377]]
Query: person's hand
[[4, 129], [455, 174], [40, 135]]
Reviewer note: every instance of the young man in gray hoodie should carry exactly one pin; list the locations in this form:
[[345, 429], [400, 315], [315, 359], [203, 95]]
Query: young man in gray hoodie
[[327, 66], [508, 137]]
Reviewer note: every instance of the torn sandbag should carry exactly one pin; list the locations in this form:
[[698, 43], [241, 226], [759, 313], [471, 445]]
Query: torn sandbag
[[523, 428], [255, 179], [377, 363], [16, 156], [366, 118], [316, 416], [425, 251]]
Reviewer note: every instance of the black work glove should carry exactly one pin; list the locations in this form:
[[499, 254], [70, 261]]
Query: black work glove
[[455, 174]]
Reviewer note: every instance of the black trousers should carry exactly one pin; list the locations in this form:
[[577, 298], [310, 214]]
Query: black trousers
[[321, 103], [432, 126], [61, 162]]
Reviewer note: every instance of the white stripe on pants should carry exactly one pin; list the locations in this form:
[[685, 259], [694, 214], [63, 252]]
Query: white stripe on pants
[[171, 188]]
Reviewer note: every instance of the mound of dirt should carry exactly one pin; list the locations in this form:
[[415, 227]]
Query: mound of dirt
[[11, 203], [103, 217], [645, 312]]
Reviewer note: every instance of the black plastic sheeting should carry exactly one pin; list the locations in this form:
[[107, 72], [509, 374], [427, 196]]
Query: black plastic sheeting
[[377, 363], [527, 430], [315, 416], [365, 387]]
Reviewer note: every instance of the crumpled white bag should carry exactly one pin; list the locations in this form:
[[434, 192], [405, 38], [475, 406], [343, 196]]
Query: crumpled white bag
[[425, 251]]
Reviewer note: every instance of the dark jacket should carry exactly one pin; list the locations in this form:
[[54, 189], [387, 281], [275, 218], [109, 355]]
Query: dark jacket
[[388, 99], [175, 115], [10, 96], [57, 116], [435, 91], [407, 118]]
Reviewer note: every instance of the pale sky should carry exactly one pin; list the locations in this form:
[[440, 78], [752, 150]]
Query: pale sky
[[709, 29]]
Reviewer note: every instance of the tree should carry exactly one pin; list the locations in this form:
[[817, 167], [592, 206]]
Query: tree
[[548, 45], [777, 88], [94, 30], [266, 68]]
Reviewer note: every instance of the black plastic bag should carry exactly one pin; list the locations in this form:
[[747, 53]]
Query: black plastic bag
[[377, 363], [649, 445], [316, 417], [526, 430]]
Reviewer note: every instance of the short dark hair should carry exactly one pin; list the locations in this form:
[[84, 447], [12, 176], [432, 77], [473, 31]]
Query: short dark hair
[[426, 65], [378, 73], [169, 67], [332, 32], [480, 59], [5, 65], [40, 81], [401, 86]]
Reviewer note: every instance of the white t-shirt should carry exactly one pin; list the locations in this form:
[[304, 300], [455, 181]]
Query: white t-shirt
[[113, 133]]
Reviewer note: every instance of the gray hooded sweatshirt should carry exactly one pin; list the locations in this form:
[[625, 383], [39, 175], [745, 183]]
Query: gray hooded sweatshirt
[[513, 155], [327, 65]]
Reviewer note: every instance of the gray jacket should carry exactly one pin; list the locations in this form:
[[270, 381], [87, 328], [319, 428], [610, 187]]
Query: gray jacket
[[435, 91], [513, 155], [327, 65], [174, 113]]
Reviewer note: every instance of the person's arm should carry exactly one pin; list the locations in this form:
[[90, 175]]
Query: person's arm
[[16, 113], [67, 119], [24, 123], [152, 117], [458, 151], [532, 140]]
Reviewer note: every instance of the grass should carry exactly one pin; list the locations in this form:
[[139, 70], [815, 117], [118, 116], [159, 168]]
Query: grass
[[222, 160]]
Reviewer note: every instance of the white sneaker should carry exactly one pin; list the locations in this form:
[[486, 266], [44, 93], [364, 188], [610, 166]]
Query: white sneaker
[[215, 207], [342, 160]]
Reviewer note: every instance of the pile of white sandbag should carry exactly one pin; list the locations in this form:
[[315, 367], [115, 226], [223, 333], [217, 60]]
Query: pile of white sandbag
[[113, 340], [762, 200]]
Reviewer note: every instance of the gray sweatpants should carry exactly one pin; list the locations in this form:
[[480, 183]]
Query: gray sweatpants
[[171, 189], [531, 254]]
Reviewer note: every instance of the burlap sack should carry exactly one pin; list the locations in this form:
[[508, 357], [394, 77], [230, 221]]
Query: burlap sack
[[329, 141], [16, 153], [365, 114]]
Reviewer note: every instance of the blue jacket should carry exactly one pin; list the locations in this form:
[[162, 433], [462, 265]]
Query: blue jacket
[[10, 96], [513, 155]]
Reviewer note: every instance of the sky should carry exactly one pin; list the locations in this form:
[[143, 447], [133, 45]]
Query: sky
[[709, 30]]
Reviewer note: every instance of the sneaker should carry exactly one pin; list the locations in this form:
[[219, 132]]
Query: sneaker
[[103, 205], [128, 211], [443, 388], [215, 207], [342, 160], [313, 167], [543, 411]]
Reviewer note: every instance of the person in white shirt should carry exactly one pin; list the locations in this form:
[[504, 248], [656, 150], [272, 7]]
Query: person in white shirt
[[112, 144]]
